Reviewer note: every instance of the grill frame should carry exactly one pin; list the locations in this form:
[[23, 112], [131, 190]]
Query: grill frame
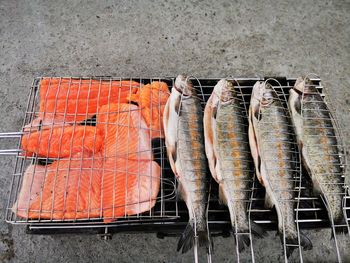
[[174, 223]]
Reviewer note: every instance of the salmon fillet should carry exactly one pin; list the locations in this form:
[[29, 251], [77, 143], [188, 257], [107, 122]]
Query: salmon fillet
[[63, 141], [32, 183], [128, 168], [121, 179], [71, 189], [151, 98], [65, 101], [126, 133], [129, 187]]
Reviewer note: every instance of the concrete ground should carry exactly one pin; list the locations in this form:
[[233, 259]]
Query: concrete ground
[[163, 38]]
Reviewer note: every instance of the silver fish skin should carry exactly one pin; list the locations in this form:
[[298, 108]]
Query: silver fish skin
[[184, 138], [317, 140], [271, 145], [227, 149]]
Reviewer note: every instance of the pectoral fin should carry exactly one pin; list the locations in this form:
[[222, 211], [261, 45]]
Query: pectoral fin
[[209, 122], [170, 119], [268, 201], [294, 104], [222, 197], [254, 144]]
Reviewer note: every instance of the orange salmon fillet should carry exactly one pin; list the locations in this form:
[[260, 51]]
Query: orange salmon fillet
[[130, 179], [32, 184], [129, 187], [63, 142], [120, 179], [126, 133], [68, 101], [152, 98], [70, 189]]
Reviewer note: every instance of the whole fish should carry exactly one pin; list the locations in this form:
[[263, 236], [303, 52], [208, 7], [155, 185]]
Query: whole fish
[[317, 140], [227, 149], [271, 147], [183, 128]]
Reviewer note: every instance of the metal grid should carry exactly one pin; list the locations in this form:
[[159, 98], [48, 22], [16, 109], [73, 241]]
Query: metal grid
[[169, 215], [128, 118]]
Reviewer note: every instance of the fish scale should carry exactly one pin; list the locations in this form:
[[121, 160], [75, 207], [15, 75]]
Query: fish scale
[[276, 160], [320, 150], [183, 128], [227, 149], [272, 144]]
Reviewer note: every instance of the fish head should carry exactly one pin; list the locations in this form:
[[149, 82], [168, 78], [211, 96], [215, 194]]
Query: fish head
[[263, 94], [224, 91], [184, 86], [304, 85]]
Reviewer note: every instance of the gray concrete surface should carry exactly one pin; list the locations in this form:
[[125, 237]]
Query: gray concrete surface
[[162, 38]]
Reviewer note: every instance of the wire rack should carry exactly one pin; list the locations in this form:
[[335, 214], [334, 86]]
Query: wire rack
[[167, 215]]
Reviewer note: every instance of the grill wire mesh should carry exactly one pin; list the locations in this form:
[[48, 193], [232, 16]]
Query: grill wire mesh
[[169, 216]]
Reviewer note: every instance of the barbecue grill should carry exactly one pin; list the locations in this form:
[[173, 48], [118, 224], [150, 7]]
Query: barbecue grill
[[169, 215]]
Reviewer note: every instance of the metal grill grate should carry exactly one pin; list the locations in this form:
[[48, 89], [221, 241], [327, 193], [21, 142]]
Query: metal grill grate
[[169, 215]]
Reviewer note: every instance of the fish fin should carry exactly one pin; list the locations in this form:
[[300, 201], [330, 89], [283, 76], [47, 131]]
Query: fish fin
[[289, 241], [181, 194], [290, 249], [294, 101], [215, 111], [204, 240], [257, 230], [222, 198], [170, 128], [187, 238], [256, 112], [177, 106], [268, 201], [242, 241], [341, 230], [209, 124], [305, 243], [254, 145], [294, 104]]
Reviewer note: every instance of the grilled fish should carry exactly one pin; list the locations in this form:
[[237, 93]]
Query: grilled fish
[[271, 147], [183, 128], [318, 143], [227, 149]]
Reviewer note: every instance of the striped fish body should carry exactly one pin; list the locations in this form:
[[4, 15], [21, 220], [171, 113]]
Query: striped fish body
[[183, 129], [318, 141]]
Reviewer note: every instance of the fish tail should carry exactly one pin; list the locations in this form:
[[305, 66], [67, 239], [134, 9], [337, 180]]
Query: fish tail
[[187, 238], [342, 229], [243, 238], [257, 230], [305, 243], [204, 240], [242, 241], [290, 241]]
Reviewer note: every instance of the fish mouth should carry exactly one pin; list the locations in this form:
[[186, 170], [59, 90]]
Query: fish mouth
[[264, 94], [225, 91], [184, 85], [303, 85], [183, 93]]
